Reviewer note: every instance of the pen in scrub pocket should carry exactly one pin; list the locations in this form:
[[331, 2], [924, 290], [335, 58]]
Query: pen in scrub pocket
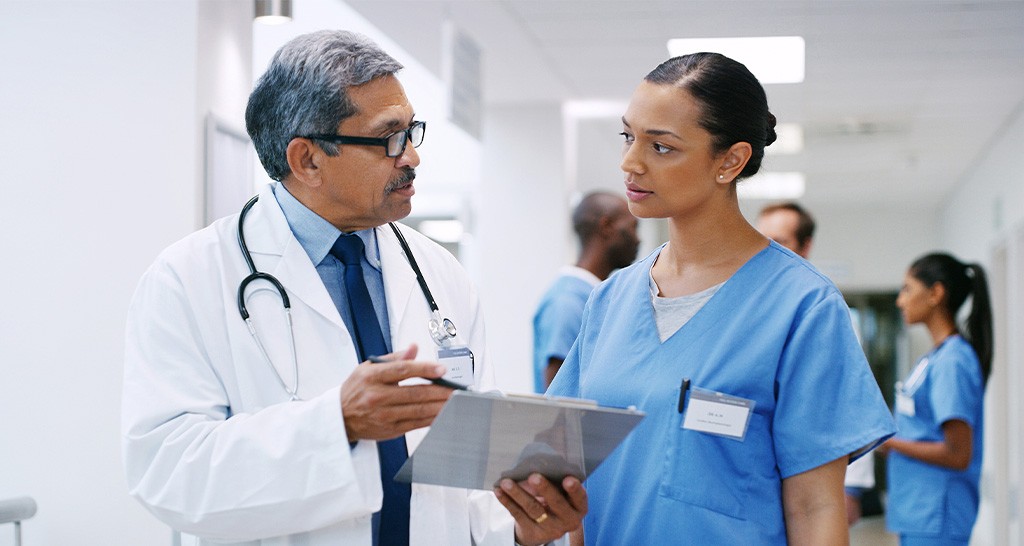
[[683, 389], [439, 381]]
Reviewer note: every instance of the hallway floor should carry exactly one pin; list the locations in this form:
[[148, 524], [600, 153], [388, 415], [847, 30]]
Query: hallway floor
[[871, 531]]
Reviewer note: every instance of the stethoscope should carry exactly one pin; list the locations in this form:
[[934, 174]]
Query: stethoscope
[[442, 329]]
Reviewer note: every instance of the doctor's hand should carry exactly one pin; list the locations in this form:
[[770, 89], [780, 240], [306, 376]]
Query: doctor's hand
[[375, 407], [543, 511]]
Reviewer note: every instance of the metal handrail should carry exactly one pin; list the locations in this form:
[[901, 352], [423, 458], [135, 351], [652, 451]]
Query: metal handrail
[[15, 511]]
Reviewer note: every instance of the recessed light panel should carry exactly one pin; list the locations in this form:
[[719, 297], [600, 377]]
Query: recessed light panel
[[773, 59]]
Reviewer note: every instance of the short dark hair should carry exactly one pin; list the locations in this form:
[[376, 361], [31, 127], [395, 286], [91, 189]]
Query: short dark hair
[[586, 217], [304, 92], [805, 223], [734, 105]]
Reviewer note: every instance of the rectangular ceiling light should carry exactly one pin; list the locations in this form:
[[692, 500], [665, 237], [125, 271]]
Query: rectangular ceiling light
[[773, 59], [772, 185], [594, 109]]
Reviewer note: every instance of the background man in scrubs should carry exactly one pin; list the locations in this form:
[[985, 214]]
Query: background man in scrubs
[[293, 437], [792, 226], [608, 241]]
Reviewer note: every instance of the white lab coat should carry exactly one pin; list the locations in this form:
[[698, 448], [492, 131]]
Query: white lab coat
[[213, 447]]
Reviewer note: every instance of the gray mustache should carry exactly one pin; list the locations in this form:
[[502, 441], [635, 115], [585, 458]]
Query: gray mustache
[[408, 175]]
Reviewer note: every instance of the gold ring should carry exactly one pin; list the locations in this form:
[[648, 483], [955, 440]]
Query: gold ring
[[541, 518]]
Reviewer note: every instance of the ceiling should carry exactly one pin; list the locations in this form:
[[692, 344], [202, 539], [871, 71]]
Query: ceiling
[[901, 97]]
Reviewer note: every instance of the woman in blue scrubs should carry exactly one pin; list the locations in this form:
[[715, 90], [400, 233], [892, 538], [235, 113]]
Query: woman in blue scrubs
[[935, 459], [741, 354]]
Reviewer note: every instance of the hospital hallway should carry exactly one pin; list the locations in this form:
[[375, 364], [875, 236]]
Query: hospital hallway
[[899, 126], [870, 531]]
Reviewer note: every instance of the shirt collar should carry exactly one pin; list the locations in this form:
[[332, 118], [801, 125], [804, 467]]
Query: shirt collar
[[317, 235], [580, 273]]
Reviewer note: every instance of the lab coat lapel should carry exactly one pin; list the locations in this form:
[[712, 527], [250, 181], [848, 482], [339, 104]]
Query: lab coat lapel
[[399, 286], [408, 311], [270, 240]]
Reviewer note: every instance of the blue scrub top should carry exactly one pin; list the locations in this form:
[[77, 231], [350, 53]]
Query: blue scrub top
[[778, 333], [924, 499], [557, 323]]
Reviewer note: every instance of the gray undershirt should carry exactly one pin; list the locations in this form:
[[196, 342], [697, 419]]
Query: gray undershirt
[[670, 314]]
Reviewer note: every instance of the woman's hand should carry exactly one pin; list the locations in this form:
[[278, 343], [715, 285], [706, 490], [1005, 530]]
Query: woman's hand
[[543, 511]]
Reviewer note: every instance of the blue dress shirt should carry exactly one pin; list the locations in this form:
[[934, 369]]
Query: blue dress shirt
[[316, 236]]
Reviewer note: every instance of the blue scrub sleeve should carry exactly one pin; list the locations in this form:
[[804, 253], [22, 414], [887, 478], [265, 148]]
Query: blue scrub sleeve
[[567, 380], [828, 403], [557, 326], [956, 390]]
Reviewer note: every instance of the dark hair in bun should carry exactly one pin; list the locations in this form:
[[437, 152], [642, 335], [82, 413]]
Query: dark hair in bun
[[734, 104], [770, 132]]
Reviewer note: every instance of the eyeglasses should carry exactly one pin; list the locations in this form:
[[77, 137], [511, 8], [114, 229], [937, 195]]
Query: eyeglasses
[[394, 144]]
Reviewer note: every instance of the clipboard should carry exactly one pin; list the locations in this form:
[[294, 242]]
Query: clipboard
[[479, 438]]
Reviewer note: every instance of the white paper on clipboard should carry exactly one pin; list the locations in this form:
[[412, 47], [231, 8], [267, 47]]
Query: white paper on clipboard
[[479, 438]]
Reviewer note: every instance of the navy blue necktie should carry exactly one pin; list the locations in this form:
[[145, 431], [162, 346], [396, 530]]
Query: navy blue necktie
[[391, 524]]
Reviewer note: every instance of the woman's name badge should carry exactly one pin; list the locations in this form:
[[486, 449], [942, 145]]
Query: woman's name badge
[[718, 414], [905, 404], [459, 361]]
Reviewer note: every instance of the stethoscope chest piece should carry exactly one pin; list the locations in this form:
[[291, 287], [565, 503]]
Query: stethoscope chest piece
[[442, 330]]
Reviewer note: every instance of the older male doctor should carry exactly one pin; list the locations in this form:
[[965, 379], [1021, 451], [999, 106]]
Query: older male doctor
[[278, 430]]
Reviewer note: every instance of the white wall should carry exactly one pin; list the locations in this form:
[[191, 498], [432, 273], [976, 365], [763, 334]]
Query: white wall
[[224, 80], [985, 215], [100, 108], [523, 230], [989, 203]]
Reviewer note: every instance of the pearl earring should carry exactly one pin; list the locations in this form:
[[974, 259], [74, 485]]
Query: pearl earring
[[721, 176]]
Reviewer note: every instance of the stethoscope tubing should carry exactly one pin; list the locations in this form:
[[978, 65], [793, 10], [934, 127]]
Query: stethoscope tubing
[[416, 269], [253, 273], [441, 329]]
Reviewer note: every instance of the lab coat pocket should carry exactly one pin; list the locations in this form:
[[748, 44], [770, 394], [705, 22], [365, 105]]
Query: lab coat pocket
[[708, 470]]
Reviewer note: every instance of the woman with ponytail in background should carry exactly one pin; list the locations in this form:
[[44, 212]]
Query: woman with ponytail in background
[[741, 354], [935, 459]]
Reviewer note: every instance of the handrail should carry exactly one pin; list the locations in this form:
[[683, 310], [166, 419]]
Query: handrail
[[17, 509]]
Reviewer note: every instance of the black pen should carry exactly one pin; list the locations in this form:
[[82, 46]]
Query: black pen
[[682, 394], [439, 381]]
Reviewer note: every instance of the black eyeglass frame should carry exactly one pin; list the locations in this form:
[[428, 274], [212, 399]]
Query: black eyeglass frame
[[383, 141]]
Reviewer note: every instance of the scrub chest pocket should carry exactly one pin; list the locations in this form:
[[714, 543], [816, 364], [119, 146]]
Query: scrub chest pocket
[[711, 471]]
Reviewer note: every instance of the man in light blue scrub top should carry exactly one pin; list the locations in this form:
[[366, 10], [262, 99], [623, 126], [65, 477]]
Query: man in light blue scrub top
[[608, 241]]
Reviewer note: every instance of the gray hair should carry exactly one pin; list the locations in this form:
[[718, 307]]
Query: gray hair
[[305, 92]]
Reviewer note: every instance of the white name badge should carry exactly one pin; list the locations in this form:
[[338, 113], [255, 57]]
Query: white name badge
[[905, 404], [459, 361], [718, 414]]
